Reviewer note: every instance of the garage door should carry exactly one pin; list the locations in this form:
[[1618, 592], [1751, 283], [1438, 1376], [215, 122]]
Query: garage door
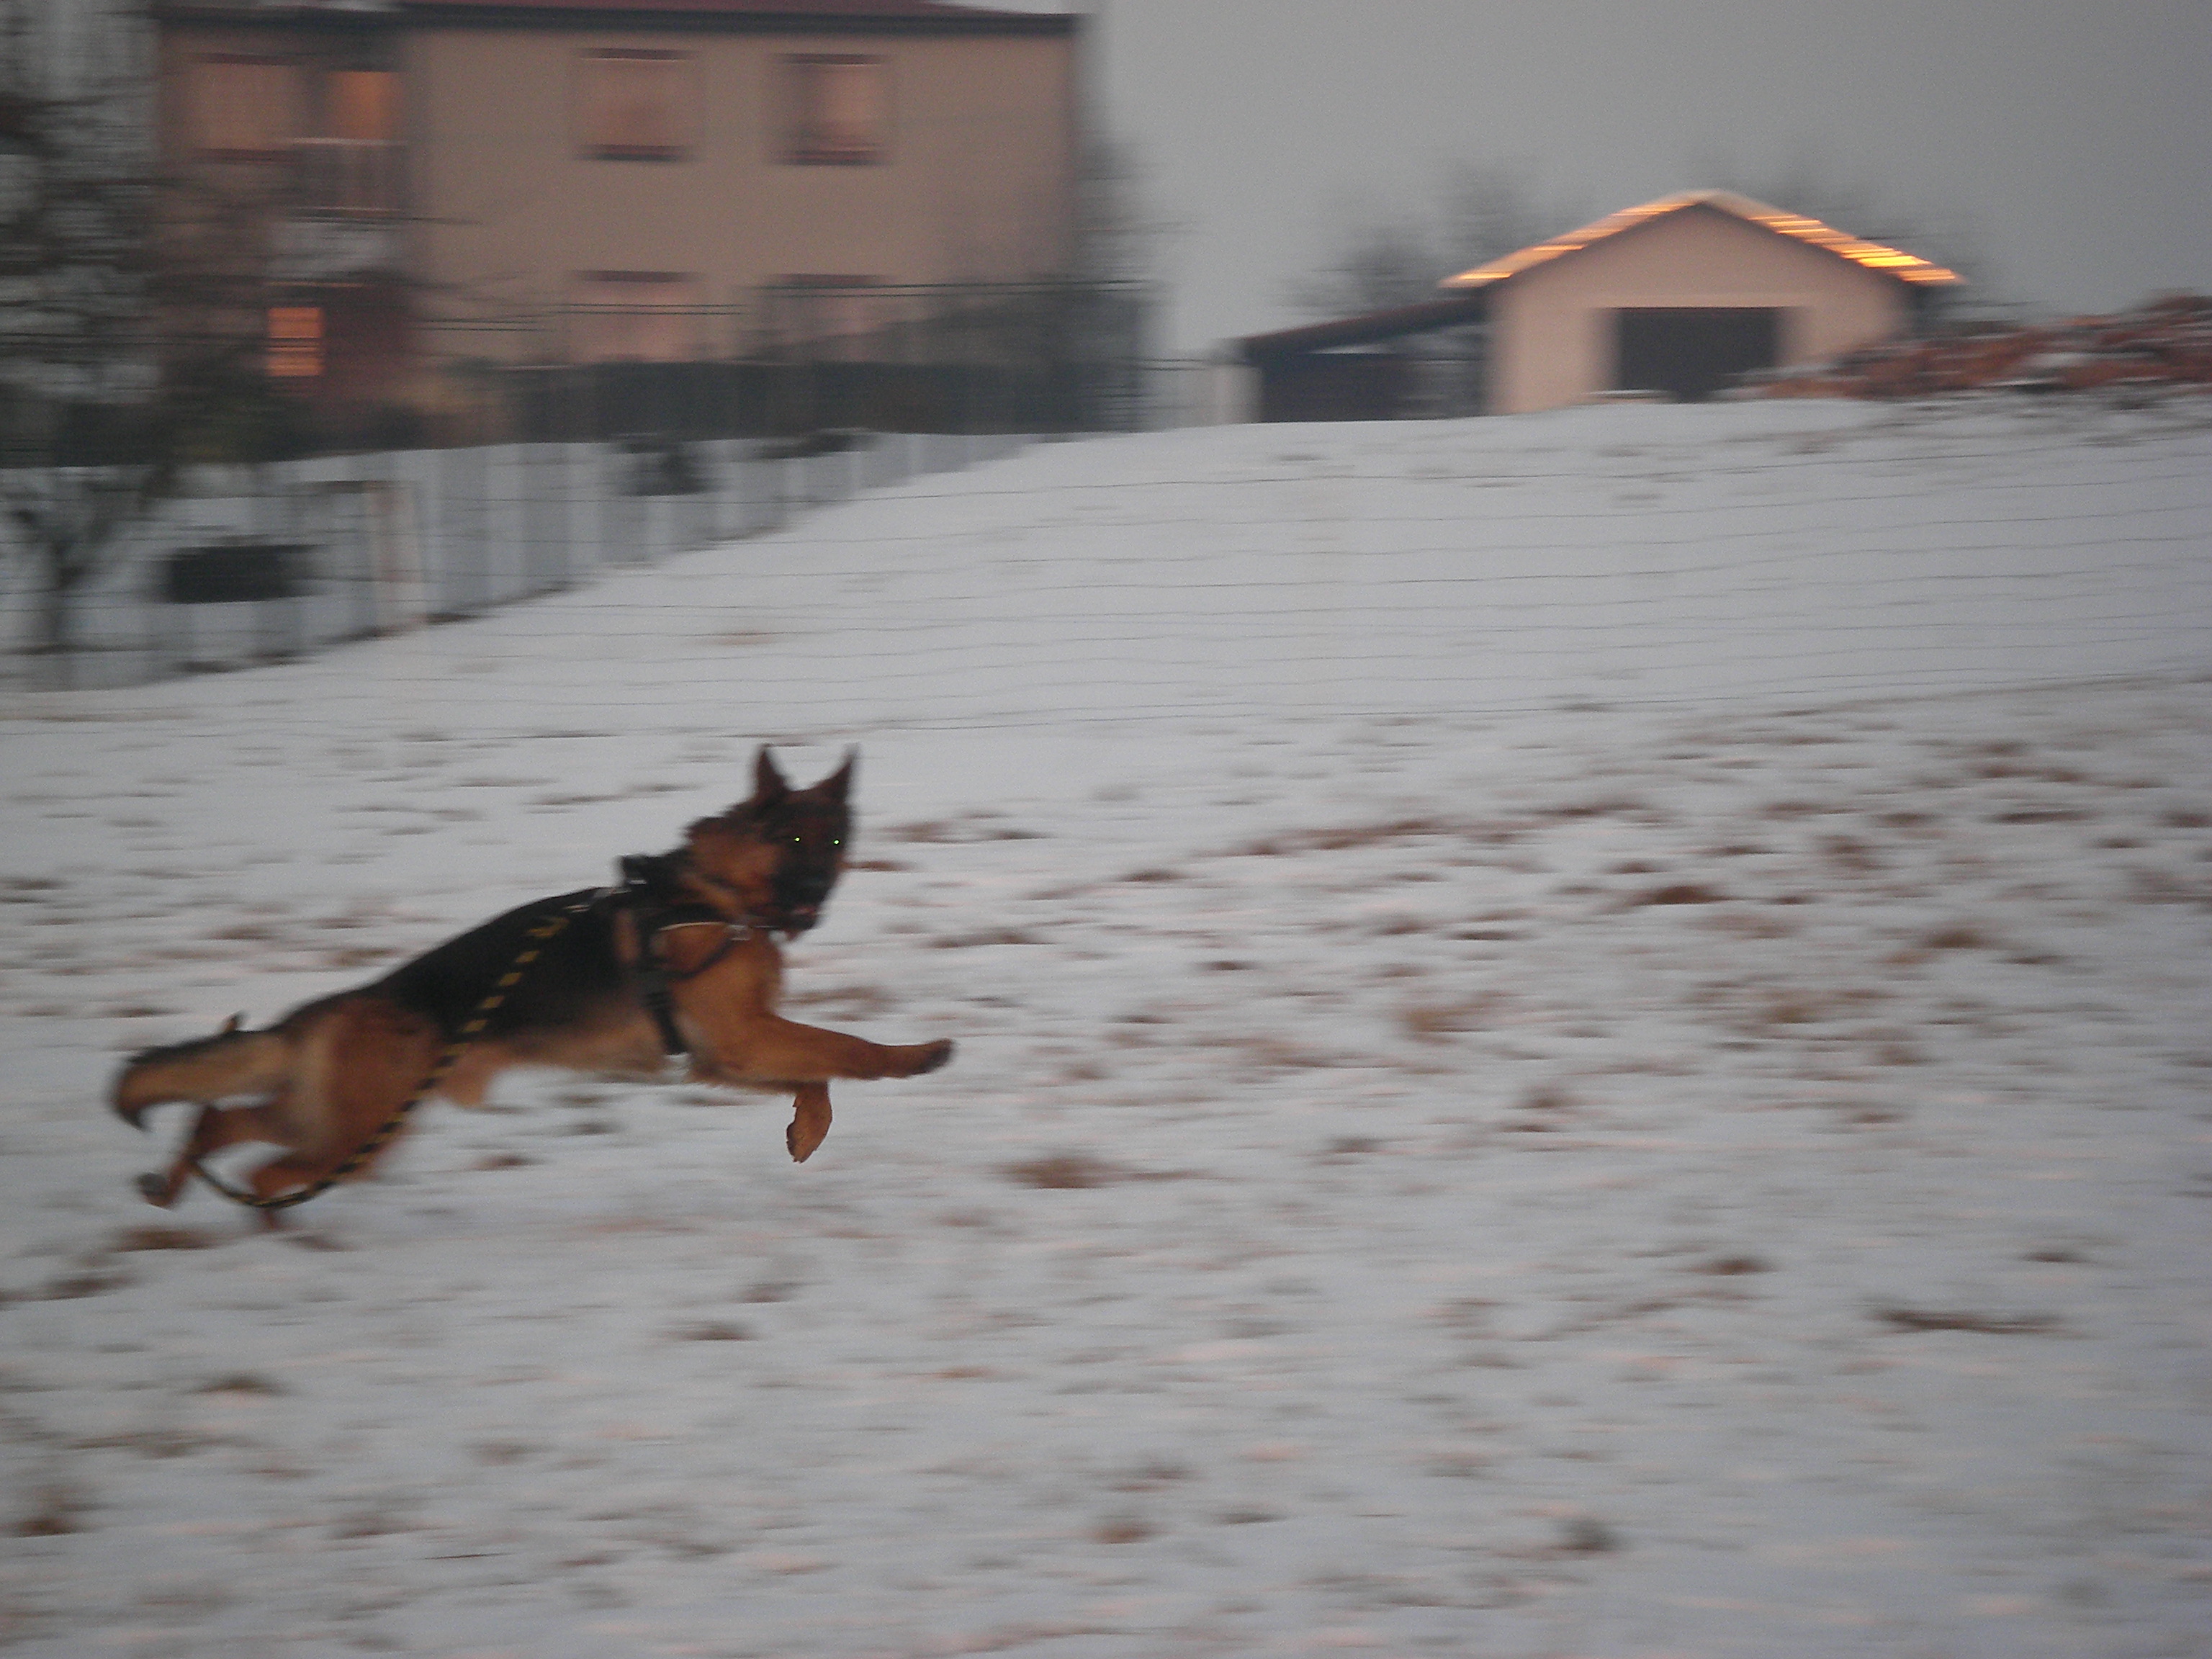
[[1692, 351]]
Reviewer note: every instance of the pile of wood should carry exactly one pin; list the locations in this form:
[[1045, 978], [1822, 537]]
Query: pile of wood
[[2166, 341]]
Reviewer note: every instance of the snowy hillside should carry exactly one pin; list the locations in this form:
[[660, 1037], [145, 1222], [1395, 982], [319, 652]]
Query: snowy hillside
[[1579, 1036]]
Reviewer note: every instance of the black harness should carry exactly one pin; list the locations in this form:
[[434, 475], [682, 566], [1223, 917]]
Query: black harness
[[649, 893]]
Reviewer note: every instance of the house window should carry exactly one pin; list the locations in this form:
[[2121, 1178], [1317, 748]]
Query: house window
[[635, 316], [353, 165], [245, 108], [296, 341], [362, 105], [837, 110], [636, 106]]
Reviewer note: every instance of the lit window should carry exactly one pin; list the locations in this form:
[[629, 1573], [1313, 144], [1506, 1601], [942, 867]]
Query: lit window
[[362, 105], [635, 105], [296, 341], [353, 165], [837, 110], [244, 107], [635, 316]]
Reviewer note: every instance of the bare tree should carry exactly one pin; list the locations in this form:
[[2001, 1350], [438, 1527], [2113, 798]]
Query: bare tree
[[130, 306], [1478, 211], [1120, 234]]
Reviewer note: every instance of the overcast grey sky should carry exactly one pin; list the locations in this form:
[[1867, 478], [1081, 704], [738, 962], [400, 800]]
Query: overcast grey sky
[[2075, 135]]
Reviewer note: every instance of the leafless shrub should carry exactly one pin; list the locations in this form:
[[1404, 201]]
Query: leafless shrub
[[1849, 852], [1584, 1534], [58, 1509], [1680, 892], [1398, 926], [1066, 1171], [1751, 924], [373, 1519], [1956, 936], [160, 1238], [1798, 809], [1123, 1530], [715, 1330], [1458, 1465], [1957, 1319], [1349, 837], [957, 832], [241, 1383], [1728, 1265], [1273, 1056], [159, 1443], [96, 1278], [1597, 806], [987, 936], [1432, 1022], [1152, 1475], [848, 1001]]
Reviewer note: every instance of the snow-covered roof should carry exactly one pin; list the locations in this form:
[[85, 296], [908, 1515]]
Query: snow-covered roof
[[1875, 256]]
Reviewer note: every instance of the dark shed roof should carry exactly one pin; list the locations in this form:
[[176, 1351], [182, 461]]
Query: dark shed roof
[[1366, 329]]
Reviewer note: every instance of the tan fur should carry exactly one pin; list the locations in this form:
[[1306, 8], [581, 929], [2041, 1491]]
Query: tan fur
[[328, 1076]]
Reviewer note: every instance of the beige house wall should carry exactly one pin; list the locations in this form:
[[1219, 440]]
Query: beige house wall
[[510, 213], [1551, 329]]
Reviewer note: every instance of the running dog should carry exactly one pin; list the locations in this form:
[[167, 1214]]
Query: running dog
[[680, 959]]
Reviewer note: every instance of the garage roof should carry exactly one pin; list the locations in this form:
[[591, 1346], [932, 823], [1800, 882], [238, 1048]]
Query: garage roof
[[1893, 262]]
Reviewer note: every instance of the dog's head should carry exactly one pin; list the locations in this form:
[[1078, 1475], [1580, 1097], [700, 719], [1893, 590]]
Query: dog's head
[[773, 857]]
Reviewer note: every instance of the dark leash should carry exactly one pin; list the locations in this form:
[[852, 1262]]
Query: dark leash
[[533, 946]]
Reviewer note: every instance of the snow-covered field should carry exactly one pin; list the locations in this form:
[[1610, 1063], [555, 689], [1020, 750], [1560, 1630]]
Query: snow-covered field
[[1582, 1035]]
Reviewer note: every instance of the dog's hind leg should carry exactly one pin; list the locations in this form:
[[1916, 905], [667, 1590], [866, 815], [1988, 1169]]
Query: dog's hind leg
[[365, 1064], [217, 1127]]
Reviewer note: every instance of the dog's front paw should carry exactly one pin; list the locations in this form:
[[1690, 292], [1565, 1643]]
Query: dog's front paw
[[810, 1122], [154, 1190], [928, 1056]]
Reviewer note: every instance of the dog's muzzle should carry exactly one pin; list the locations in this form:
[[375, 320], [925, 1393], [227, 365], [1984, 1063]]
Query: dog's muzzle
[[799, 904]]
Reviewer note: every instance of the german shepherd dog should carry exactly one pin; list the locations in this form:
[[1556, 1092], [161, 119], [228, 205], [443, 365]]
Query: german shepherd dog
[[681, 957]]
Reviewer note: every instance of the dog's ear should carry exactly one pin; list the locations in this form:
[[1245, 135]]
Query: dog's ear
[[768, 785], [839, 784]]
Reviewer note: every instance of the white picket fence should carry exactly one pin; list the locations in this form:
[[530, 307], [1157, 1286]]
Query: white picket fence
[[397, 539]]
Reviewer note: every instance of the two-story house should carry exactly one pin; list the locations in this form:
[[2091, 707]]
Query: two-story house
[[575, 181]]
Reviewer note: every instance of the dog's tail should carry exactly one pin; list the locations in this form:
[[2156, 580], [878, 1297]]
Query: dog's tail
[[234, 1061]]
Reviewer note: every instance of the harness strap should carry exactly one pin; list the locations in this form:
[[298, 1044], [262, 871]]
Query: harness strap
[[652, 918]]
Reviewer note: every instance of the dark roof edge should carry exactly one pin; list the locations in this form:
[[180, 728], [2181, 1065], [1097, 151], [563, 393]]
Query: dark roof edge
[[615, 18], [1364, 329]]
